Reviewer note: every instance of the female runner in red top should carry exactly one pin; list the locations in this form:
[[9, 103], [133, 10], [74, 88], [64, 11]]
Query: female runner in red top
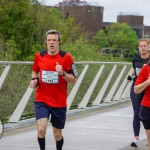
[[143, 84]]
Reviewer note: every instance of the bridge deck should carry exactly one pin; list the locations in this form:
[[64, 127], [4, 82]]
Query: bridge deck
[[109, 129]]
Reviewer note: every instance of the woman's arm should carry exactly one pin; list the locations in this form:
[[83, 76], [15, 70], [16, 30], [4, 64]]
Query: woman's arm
[[129, 78], [141, 87]]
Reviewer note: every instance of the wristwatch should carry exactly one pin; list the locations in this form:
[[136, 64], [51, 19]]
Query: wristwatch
[[64, 73]]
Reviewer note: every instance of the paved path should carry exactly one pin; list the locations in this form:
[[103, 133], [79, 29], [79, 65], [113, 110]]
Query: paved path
[[109, 129]]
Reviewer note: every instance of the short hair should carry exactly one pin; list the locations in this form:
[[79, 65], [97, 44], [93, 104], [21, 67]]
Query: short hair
[[54, 32]]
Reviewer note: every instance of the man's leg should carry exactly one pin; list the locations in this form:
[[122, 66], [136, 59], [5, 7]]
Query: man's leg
[[41, 129], [58, 137]]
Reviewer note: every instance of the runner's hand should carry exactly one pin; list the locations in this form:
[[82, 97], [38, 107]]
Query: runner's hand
[[59, 68], [33, 83]]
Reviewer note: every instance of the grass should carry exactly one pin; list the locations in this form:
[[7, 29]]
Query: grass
[[19, 77]]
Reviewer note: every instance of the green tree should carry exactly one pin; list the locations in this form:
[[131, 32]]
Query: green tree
[[16, 25], [118, 36], [23, 27], [82, 50]]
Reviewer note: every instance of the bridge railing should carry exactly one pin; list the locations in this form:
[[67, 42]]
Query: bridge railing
[[98, 83]]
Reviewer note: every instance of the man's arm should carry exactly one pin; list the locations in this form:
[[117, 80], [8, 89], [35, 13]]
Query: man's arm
[[35, 80], [68, 77]]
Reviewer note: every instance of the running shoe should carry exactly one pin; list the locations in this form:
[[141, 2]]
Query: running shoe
[[133, 144]]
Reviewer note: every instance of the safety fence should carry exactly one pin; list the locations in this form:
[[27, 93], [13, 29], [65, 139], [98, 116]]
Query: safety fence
[[98, 83]]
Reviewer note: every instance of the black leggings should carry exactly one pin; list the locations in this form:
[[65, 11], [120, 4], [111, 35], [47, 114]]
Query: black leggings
[[136, 103]]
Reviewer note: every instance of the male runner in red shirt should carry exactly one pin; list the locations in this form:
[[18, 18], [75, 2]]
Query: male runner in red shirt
[[52, 69]]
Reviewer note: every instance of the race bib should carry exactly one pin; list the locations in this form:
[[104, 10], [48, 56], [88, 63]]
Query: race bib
[[50, 77], [137, 71]]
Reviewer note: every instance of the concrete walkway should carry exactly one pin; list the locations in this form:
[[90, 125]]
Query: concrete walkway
[[106, 129]]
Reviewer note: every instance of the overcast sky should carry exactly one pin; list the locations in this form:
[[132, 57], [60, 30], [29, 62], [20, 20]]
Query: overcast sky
[[113, 7]]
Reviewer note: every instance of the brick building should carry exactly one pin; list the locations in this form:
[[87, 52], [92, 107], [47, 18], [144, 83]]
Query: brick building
[[89, 17], [133, 20], [147, 31]]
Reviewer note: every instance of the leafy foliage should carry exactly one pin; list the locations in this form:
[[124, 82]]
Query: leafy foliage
[[17, 26], [24, 24], [118, 36]]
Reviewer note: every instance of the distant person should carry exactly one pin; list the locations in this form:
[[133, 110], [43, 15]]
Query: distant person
[[52, 69], [149, 49], [142, 84], [137, 63]]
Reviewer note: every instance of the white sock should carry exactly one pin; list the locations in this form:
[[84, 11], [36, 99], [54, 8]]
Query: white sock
[[136, 141]]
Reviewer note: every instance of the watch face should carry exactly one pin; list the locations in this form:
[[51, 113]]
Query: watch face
[[1, 128]]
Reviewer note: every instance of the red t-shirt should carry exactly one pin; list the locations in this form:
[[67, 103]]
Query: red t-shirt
[[52, 88], [143, 76]]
